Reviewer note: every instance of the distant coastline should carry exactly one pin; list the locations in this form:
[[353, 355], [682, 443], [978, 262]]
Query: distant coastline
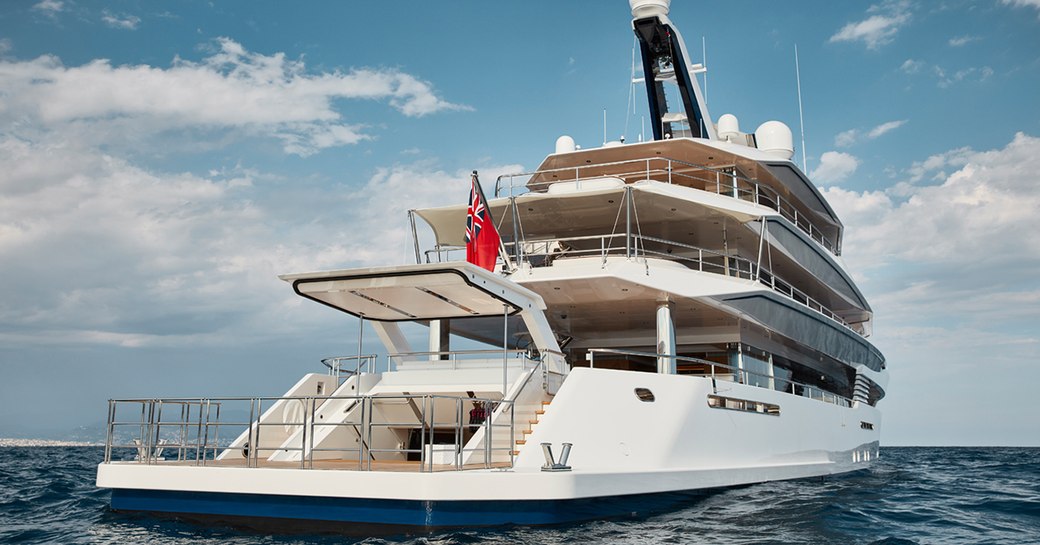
[[9, 442]]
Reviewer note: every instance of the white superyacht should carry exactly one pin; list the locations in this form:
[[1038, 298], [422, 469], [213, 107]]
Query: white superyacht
[[620, 326]]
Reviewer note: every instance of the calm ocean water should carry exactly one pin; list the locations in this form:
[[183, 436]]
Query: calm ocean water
[[912, 495]]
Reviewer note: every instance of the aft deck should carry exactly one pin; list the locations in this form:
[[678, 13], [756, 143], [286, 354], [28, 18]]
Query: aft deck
[[401, 466]]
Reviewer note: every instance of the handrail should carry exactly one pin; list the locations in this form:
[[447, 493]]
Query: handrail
[[191, 439], [752, 190], [731, 265], [336, 368], [807, 389], [455, 353], [415, 357]]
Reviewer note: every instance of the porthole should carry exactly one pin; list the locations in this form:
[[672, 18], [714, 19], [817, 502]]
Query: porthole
[[645, 395]]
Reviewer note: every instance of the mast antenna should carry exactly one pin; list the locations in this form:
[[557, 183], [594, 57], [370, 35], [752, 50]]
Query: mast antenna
[[801, 121], [704, 62], [630, 107], [604, 126]]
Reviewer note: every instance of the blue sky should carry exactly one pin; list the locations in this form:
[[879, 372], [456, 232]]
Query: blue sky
[[161, 163]]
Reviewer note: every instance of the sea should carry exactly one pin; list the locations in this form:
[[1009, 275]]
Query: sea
[[909, 496]]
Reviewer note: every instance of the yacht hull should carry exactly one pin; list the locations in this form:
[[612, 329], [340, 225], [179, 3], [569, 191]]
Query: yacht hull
[[629, 456]]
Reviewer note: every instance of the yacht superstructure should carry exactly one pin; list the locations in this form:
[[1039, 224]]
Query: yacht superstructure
[[664, 316]]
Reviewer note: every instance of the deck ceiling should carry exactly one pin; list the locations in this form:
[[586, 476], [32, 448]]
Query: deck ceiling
[[585, 308], [599, 212], [590, 307]]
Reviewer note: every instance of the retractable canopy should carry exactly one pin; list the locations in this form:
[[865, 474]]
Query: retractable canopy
[[416, 292], [434, 291]]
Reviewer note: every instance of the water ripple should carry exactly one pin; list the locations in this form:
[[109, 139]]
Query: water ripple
[[910, 496]]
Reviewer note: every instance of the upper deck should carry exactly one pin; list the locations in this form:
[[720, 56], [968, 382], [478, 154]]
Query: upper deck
[[720, 167]]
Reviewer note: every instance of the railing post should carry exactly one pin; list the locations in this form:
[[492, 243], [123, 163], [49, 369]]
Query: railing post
[[362, 432], [512, 430], [303, 435], [157, 419], [433, 427], [487, 434], [422, 437], [458, 433], [505, 350], [256, 447], [628, 222], [199, 452], [110, 431]]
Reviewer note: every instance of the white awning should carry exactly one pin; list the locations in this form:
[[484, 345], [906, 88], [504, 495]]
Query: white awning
[[434, 291], [416, 292]]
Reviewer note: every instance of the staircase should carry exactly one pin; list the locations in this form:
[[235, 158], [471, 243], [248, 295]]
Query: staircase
[[531, 423]]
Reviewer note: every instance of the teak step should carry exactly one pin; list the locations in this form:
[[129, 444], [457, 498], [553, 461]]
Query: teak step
[[539, 412], [525, 432], [544, 403], [535, 421], [516, 452], [521, 441]]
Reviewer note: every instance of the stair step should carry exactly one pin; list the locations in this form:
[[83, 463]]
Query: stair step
[[539, 411], [521, 441], [516, 453], [535, 421], [544, 403], [526, 432]]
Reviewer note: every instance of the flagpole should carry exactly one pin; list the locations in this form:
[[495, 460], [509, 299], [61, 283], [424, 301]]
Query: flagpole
[[487, 205]]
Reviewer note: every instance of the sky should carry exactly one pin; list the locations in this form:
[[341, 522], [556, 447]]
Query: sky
[[161, 164]]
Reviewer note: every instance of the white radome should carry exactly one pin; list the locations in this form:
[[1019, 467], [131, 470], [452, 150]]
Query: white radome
[[648, 8], [775, 138]]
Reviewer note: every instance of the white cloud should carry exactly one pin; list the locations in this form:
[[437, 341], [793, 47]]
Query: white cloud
[[231, 89], [950, 268], [49, 7], [98, 250], [885, 127], [1023, 4], [846, 138], [963, 40], [128, 22], [911, 66], [966, 74], [876, 30], [975, 216], [835, 167]]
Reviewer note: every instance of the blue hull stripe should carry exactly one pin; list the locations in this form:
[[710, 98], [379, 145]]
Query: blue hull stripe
[[428, 514]]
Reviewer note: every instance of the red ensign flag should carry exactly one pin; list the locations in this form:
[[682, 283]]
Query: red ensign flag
[[482, 240]]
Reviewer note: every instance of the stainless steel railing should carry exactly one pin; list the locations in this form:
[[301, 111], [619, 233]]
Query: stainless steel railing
[[450, 359], [541, 253], [736, 374], [341, 365], [190, 431], [725, 181]]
